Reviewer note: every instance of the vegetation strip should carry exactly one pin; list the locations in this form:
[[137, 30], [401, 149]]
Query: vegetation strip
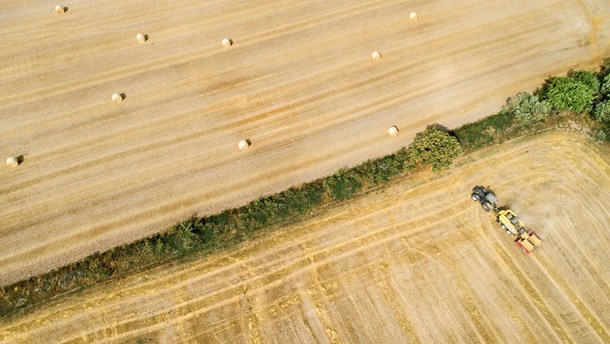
[[580, 97]]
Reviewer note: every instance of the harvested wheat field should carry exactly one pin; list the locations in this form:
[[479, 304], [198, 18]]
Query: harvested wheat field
[[416, 262], [129, 113]]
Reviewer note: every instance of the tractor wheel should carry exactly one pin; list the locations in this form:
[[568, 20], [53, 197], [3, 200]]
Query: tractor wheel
[[475, 197], [486, 206]]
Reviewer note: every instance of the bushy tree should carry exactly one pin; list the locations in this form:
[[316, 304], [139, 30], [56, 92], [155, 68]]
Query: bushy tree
[[528, 108], [433, 147], [587, 78], [567, 94]]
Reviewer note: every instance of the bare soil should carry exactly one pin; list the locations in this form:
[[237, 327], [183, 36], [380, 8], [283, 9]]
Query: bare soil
[[416, 262], [298, 82]]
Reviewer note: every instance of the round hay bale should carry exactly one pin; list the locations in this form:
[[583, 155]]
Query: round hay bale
[[227, 42], [413, 16], [376, 55], [117, 98], [244, 144], [12, 162], [393, 131], [59, 9], [141, 38]]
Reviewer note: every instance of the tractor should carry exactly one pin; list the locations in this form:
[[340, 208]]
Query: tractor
[[486, 197]]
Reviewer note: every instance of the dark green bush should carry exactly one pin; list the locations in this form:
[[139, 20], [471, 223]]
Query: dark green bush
[[601, 113], [433, 147], [587, 78], [567, 94], [342, 185]]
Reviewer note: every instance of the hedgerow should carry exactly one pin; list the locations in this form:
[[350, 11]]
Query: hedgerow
[[233, 225], [433, 148]]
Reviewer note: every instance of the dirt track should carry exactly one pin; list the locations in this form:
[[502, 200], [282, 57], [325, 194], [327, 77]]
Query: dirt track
[[408, 264], [299, 82]]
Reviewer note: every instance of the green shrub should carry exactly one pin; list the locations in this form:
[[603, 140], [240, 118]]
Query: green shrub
[[342, 185], [433, 147], [528, 109], [587, 78], [601, 113], [309, 196], [567, 94]]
